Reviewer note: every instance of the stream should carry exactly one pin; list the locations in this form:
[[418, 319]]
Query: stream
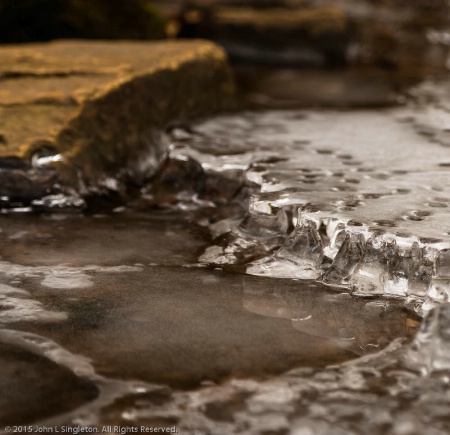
[[277, 286]]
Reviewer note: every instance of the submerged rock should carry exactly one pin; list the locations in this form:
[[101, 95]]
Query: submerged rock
[[101, 104]]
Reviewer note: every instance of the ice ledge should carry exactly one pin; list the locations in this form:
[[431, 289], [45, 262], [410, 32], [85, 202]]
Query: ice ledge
[[339, 254]]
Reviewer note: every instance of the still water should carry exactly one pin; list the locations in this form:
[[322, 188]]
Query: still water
[[202, 303], [126, 293]]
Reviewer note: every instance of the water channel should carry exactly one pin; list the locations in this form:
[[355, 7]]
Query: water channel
[[277, 287]]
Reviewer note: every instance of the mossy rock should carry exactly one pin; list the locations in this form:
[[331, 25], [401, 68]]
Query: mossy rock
[[44, 20]]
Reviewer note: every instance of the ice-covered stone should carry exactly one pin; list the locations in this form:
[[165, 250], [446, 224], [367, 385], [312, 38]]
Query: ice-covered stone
[[353, 192]]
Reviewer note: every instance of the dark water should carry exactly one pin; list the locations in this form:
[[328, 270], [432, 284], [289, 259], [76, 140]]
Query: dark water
[[126, 293], [28, 395]]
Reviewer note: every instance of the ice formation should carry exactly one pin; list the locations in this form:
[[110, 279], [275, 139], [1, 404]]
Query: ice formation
[[354, 199], [357, 200]]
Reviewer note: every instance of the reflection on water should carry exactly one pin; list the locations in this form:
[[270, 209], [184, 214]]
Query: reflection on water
[[144, 318], [355, 324], [176, 327]]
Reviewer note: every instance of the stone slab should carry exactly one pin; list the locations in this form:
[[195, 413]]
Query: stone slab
[[99, 103]]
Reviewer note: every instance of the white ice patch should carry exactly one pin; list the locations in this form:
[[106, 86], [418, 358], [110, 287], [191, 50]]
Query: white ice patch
[[62, 277], [17, 305]]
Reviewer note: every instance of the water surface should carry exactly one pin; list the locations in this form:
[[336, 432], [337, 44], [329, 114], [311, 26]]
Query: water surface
[[125, 292]]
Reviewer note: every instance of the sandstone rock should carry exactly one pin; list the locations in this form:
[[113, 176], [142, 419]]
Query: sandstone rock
[[101, 104]]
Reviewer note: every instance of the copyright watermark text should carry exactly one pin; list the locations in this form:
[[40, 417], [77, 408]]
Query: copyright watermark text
[[122, 430]]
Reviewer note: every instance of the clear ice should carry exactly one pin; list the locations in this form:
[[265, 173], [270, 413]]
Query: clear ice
[[357, 200]]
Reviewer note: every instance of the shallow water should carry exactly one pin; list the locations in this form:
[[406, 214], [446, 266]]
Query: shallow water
[[127, 293], [34, 388], [159, 316]]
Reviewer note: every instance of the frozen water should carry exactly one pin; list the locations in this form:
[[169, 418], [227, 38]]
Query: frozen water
[[138, 324], [357, 200], [370, 187], [300, 256], [17, 305]]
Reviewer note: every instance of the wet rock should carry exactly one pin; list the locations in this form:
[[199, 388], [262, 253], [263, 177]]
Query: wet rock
[[394, 35], [272, 32], [99, 19], [177, 179], [291, 53], [275, 87], [21, 187], [385, 34], [31, 379], [430, 351], [101, 105]]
